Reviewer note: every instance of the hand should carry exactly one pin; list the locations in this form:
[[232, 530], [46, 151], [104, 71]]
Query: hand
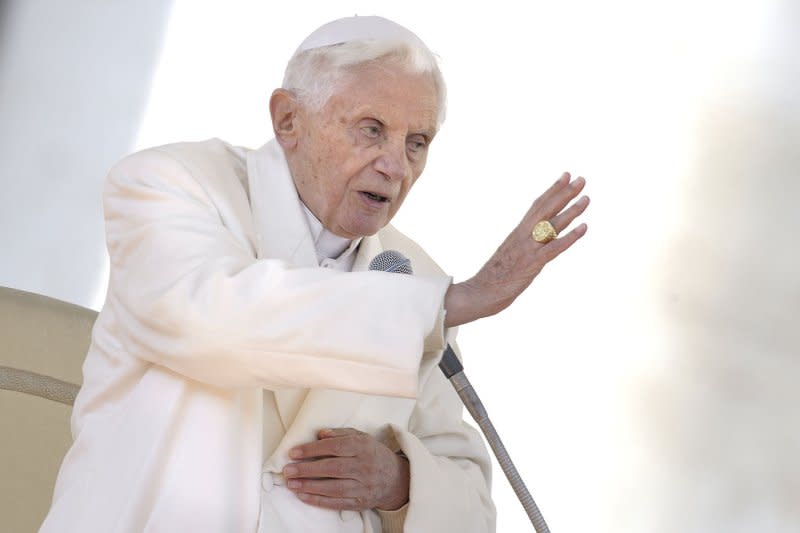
[[348, 469], [519, 259]]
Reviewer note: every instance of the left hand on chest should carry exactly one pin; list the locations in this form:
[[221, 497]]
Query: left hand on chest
[[348, 469]]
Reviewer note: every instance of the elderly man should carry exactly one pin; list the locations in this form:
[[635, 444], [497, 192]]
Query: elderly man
[[248, 372]]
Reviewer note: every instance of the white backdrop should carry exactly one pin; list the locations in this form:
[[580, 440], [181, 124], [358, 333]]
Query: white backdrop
[[646, 380]]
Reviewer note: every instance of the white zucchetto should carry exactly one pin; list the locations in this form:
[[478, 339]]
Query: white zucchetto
[[357, 29]]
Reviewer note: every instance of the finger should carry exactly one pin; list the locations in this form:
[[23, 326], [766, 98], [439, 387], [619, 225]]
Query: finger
[[559, 184], [561, 221], [553, 249], [558, 201], [334, 467], [546, 197], [345, 446], [337, 432], [333, 488], [347, 504]]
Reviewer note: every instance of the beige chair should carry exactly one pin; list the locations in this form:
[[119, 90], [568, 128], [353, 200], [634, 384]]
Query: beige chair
[[42, 346]]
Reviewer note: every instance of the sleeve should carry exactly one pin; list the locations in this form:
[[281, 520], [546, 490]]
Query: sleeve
[[190, 295], [450, 467]]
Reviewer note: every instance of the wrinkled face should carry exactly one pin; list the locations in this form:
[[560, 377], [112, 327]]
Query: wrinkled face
[[356, 159]]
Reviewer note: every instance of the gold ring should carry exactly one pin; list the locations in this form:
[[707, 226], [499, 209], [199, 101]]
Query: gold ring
[[544, 232]]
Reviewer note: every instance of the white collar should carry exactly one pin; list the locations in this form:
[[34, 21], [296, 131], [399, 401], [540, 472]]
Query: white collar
[[327, 244]]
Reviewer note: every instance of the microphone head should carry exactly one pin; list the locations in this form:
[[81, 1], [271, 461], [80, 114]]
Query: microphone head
[[391, 261]]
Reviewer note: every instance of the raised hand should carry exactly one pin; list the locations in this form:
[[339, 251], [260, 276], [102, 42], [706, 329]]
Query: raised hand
[[519, 259]]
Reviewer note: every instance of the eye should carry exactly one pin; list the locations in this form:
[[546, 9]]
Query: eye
[[417, 143], [372, 130]]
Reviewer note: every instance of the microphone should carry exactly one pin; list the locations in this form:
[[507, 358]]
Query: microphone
[[394, 261], [391, 261]]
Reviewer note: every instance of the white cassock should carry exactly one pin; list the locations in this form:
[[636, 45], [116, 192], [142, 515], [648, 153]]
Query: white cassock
[[222, 344]]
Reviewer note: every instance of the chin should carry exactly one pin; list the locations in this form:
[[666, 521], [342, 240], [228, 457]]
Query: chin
[[364, 233], [365, 230]]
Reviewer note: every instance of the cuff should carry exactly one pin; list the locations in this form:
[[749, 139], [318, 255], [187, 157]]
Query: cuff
[[439, 336], [393, 521], [435, 341]]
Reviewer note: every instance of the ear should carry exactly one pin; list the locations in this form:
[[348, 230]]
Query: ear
[[284, 109]]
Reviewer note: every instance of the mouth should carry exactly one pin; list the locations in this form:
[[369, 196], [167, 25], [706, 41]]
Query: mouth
[[375, 197]]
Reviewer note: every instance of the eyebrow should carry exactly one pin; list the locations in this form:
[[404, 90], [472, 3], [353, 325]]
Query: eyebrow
[[429, 134], [365, 113]]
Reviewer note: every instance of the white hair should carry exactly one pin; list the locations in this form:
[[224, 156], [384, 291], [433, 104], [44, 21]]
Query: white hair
[[316, 74]]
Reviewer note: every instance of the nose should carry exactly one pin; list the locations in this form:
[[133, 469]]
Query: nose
[[392, 161]]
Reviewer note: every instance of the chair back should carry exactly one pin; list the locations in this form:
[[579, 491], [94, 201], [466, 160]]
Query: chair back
[[43, 343]]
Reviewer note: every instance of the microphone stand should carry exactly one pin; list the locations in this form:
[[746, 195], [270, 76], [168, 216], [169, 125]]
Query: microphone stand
[[454, 372], [394, 262]]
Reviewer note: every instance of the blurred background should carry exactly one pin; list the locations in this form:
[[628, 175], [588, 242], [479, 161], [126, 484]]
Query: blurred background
[[647, 380]]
